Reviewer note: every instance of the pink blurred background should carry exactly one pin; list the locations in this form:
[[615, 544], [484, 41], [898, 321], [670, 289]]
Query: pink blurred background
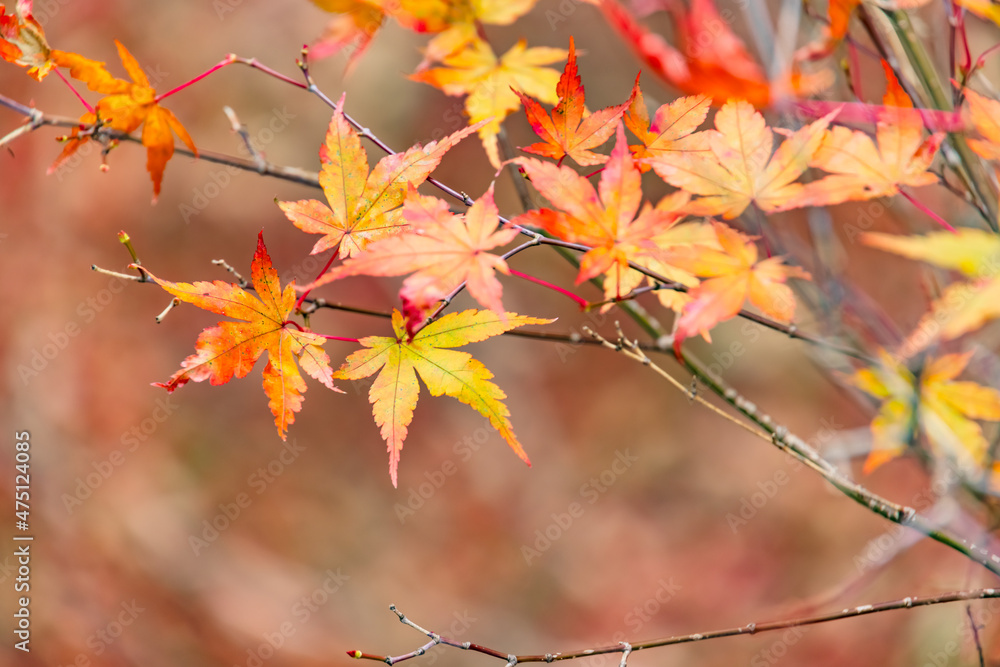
[[125, 479]]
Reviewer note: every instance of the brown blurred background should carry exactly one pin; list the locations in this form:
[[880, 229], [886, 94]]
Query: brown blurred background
[[126, 480]]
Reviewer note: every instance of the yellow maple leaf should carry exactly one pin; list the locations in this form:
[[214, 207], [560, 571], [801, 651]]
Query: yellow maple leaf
[[741, 166], [476, 71], [963, 306]]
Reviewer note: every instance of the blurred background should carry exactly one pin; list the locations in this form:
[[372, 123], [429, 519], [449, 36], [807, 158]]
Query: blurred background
[[179, 530]]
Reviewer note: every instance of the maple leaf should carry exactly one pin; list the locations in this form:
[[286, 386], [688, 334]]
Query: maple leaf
[[489, 83], [352, 29], [568, 132], [22, 41], [739, 168], [671, 128], [944, 410], [441, 250], [860, 170], [125, 107], [363, 206], [985, 116], [723, 69], [963, 306], [733, 275], [839, 15], [230, 349], [984, 9], [394, 393], [604, 219], [440, 15]]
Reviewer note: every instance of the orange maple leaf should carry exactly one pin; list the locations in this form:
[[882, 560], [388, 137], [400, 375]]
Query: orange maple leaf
[[984, 114], [860, 170], [352, 28], [604, 219], [733, 275], [568, 132], [441, 250], [671, 128], [723, 69], [231, 349], [398, 359], [125, 107], [363, 207], [839, 15], [357, 21], [739, 168], [22, 40]]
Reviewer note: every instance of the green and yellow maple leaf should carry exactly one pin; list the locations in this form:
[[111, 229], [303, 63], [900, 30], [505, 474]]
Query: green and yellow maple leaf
[[962, 306], [400, 359], [935, 404], [363, 207]]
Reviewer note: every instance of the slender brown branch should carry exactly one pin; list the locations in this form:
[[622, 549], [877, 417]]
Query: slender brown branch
[[38, 119], [626, 647]]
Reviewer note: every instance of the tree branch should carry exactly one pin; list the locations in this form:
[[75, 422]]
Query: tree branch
[[626, 647]]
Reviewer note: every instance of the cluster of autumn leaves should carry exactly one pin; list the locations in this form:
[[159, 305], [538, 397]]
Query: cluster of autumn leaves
[[125, 107], [705, 270]]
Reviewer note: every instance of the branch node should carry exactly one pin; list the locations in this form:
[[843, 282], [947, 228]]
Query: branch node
[[549, 657], [228, 267], [751, 628], [170, 306], [627, 648], [511, 660]]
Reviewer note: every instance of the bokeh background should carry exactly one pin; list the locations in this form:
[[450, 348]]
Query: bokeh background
[[127, 481]]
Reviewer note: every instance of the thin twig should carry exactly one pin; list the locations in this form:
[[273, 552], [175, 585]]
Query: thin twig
[[631, 349], [243, 282], [627, 648], [241, 129], [975, 635]]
